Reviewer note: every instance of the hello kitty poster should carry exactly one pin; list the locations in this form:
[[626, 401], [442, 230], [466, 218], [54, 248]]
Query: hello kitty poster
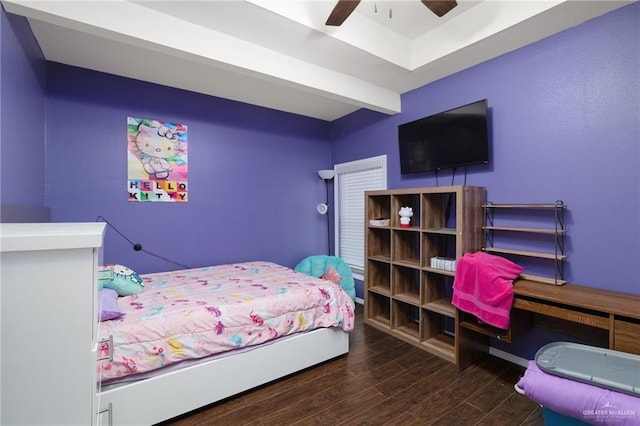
[[157, 161]]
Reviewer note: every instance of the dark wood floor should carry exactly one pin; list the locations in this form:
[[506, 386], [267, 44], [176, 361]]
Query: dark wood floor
[[382, 381]]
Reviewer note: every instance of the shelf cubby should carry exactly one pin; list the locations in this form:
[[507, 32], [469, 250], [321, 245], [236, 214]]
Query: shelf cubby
[[434, 336], [378, 243], [378, 207], [406, 284], [379, 277], [406, 200], [378, 310], [437, 292], [406, 247], [437, 209], [406, 320], [437, 245]]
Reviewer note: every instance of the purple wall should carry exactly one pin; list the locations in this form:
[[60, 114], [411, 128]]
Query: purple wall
[[22, 114], [565, 126], [253, 183]]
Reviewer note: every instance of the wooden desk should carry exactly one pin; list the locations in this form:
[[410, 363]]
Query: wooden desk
[[617, 313], [600, 317]]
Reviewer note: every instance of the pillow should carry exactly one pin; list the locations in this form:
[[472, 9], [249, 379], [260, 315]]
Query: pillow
[[332, 275], [108, 305], [124, 280], [317, 265]]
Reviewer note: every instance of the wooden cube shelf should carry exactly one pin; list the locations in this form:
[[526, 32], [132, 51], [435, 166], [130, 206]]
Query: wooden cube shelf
[[447, 222]]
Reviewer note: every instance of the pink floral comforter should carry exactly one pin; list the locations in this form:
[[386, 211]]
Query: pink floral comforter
[[195, 313]]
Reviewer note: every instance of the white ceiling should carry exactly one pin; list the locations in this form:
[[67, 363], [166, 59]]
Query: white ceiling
[[279, 54]]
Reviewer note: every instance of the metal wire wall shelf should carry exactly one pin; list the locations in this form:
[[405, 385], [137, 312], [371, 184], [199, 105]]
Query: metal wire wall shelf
[[557, 232]]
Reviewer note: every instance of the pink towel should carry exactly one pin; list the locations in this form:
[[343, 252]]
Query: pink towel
[[483, 286]]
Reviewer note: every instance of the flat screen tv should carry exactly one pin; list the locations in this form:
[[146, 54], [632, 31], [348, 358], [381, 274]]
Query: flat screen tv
[[454, 138]]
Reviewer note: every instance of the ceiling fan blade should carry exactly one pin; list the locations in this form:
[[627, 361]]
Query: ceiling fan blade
[[440, 7], [341, 12]]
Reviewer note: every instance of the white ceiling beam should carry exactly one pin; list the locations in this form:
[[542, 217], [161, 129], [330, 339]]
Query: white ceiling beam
[[135, 25]]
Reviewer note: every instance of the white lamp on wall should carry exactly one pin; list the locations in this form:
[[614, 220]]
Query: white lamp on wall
[[323, 208]]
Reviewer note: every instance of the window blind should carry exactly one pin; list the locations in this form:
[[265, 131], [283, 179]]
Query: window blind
[[352, 180]]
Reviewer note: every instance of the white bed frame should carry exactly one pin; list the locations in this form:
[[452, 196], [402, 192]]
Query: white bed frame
[[160, 398], [49, 377]]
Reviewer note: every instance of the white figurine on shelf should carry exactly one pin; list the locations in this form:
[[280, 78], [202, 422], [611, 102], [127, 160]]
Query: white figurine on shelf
[[405, 216]]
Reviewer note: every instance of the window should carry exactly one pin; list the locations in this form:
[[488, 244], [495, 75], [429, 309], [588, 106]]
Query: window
[[351, 181]]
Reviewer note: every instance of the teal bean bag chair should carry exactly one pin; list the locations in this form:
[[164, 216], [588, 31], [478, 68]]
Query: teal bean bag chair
[[319, 265]]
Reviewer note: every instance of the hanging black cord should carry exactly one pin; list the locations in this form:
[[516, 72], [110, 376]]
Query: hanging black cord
[[138, 246]]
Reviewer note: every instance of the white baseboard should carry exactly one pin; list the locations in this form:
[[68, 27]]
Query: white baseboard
[[508, 357]]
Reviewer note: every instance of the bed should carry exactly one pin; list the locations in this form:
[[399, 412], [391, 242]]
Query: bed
[[197, 336]]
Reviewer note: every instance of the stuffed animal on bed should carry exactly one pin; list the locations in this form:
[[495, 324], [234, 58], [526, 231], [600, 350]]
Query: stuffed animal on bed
[[123, 280]]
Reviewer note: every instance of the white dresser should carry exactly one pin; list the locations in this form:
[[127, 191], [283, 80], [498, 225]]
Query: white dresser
[[48, 321]]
